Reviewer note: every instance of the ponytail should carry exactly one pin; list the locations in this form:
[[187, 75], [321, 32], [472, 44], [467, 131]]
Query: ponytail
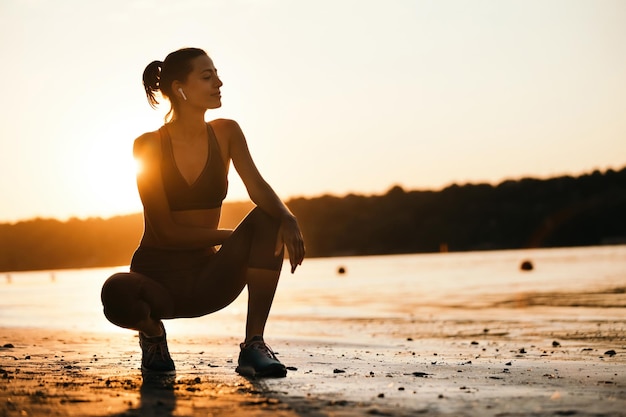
[[152, 81]]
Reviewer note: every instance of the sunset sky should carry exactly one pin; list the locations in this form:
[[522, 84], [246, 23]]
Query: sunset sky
[[334, 96]]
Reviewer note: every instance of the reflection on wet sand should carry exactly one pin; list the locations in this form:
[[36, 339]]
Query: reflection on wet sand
[[156, 396]]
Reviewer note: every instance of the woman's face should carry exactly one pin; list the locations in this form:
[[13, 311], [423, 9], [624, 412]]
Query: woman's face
[[202, 87]]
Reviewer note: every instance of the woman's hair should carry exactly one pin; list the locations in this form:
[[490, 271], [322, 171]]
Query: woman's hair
[[159, 76]]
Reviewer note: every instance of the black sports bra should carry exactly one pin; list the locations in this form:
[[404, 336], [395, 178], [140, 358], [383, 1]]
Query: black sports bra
[[208, 190]]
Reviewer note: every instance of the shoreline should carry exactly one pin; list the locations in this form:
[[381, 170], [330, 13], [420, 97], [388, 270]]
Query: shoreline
[[619, 242]]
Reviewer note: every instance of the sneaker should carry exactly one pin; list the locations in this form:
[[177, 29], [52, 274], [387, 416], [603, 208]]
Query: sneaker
[[155, 356], [257, 359]]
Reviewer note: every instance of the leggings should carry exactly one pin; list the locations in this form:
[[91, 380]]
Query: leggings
[[165, 284]]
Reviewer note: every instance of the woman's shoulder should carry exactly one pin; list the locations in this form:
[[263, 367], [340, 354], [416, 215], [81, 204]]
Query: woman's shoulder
[[226, 129], [148, 143], [224, 124]]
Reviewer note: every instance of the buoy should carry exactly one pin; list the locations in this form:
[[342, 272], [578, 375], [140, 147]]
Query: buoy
[[526, 266]]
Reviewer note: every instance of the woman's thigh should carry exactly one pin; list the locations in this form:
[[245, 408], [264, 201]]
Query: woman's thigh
[[223, 277], [200, 283]]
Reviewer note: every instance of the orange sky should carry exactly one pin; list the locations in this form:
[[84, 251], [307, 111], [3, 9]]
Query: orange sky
[[334, 96]]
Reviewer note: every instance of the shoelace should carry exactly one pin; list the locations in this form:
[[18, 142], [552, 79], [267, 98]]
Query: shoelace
[[155, 348], [263, 347]]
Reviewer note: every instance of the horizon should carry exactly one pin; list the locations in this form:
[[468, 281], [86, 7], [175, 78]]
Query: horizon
[[311, 197], [334, 97]]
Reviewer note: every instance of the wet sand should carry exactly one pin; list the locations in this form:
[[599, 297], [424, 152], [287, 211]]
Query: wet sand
[[499, 361]]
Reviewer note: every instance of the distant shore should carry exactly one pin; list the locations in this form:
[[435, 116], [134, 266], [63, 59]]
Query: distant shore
[[527, 213]]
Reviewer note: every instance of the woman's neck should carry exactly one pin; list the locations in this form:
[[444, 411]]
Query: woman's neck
[[189, 125]]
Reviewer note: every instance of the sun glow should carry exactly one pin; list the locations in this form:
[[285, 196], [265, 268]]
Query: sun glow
[[138, 166], [110, 177]]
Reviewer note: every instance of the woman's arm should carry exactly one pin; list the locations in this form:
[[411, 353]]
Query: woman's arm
[[263, 195], [147, 151]]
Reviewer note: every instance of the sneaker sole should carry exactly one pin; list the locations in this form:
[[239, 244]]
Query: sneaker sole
[[270, 372], [158, 371]]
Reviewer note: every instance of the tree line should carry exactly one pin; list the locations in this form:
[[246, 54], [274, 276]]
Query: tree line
[[524, 213]]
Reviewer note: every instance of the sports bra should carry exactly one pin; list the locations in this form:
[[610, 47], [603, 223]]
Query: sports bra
[[207, 191]]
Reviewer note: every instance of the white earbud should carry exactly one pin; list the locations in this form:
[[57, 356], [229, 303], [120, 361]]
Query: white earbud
[[180, 90]]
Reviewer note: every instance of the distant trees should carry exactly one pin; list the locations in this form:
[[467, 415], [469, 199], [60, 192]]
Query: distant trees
[[563, 211], [51, 244]]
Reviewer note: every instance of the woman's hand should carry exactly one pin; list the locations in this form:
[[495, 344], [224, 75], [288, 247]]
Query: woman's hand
[[290, 236]]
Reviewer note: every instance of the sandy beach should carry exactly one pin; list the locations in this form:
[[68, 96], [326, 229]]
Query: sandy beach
[[454, 335], [522, 361]]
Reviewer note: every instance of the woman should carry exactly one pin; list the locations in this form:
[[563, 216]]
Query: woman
[[177, 271]]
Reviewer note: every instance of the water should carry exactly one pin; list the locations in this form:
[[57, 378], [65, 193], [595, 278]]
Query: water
[[372, 287]]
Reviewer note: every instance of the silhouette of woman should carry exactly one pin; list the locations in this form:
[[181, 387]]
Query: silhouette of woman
[[185, 266]]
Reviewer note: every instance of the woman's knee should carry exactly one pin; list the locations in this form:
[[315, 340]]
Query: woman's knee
[[116, 296], [259, 216], [129, 298], [113, 288]]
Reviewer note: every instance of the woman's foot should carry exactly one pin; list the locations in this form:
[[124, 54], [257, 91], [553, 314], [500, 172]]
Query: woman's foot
[[155, 356], [257, 359]]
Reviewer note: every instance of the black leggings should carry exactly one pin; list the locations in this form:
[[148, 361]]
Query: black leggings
[[165, 284]]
